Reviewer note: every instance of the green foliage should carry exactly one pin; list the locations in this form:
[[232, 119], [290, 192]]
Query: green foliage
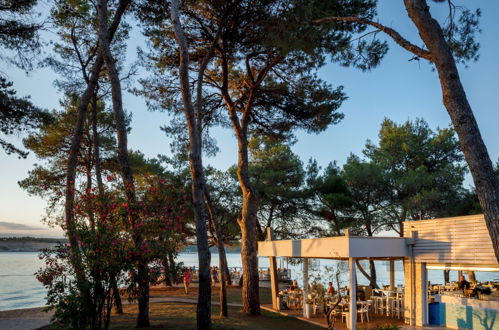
[[461, 34], [103, 254], [334, 40], [17, 115], [412, 173], [19, 44], [330, 197], [424, 168], [275, 56], [19, 32], [108, 250], [51, 143], [226, 199], [369, 192], [277, 176], [75, 49]]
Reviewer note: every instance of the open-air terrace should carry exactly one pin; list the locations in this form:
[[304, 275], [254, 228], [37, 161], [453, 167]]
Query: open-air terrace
[[427, 244]]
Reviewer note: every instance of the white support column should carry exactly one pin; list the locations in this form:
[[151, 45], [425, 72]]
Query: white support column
[[274, 280], [424, 294], [305, 285], [412, 309], [392, 275], [352, 315]]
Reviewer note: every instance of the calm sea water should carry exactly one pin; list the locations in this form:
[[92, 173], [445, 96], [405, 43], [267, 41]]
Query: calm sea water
[[20, 289]]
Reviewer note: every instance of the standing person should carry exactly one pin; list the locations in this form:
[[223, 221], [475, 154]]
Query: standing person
[[212, 276], [330, 288], [215, 272], [187, 279]]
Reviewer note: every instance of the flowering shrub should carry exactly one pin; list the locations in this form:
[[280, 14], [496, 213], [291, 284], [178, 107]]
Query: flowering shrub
[[106, 229]]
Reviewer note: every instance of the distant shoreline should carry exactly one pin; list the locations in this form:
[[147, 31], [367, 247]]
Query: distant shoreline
[[37, 244]]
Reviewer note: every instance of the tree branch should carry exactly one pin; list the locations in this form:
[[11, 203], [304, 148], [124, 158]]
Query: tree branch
[[401, 41]]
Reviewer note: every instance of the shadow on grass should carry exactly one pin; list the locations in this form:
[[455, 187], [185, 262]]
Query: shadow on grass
[[183, 316]]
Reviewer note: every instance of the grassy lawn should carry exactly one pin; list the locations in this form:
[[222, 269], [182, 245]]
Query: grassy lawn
[[173, 315], [183, 316], [233, 294]]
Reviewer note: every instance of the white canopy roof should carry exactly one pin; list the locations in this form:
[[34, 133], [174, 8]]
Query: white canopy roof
[[342, 247]]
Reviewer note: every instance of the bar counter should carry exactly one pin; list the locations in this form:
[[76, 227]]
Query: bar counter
[[468, 313]]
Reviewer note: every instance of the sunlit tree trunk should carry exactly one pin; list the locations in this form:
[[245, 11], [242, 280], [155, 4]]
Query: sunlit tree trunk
[[247, 223], [248, 217], [461, 114], [455, 101], [212, 215], [193, 120]]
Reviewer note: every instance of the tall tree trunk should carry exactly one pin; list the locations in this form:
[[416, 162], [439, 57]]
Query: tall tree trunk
[[227, 272], [471, 276], [75, 146], [456, 103], [100, 186], [461, 114], [247, 223], [248, 218], [121, 132], [71, 172], [173, 274], [222, 258], [88, 188], [446, 276], [166, 271], [193, 120], [96, 143], [118, 305], [372, 270]]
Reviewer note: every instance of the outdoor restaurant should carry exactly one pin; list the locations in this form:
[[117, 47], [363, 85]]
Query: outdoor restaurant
[[460, 245]]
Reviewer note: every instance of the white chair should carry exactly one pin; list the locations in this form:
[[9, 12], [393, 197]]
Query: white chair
[[344, 315], [363, 310], [317, 308], [396, 307], [380, 303]]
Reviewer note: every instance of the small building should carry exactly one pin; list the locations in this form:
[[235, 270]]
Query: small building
[[460, 243]]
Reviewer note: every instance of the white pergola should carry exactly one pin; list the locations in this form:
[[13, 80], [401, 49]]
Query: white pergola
[[345, 247]]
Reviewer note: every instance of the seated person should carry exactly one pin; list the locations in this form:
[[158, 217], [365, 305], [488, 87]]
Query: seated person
[[330, 288], [294, 286], [463, 284]]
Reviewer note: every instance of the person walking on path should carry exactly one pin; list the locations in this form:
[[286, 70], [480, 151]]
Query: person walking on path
[[187, 279]]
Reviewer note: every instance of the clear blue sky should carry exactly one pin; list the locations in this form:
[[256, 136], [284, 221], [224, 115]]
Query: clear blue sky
[[397, 89]]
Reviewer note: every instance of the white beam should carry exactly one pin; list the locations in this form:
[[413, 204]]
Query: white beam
[[352, 315], [335, 247]]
